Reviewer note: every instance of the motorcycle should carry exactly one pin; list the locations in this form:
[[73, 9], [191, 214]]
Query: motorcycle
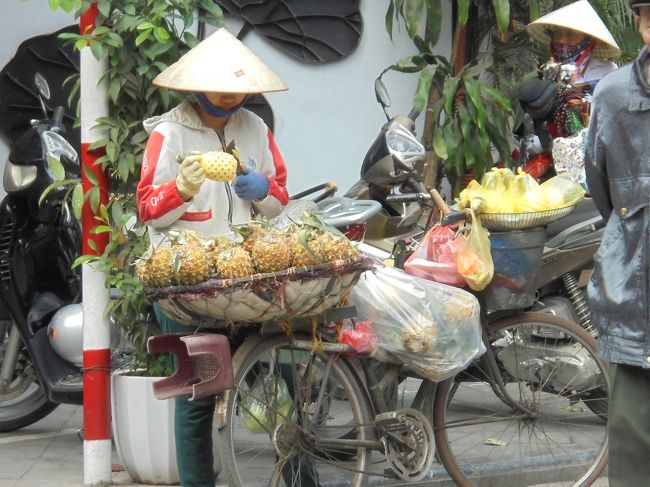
[[391, 176], [40, 318]]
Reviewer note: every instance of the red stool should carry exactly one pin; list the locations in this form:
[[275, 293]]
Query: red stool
[[204, 365]]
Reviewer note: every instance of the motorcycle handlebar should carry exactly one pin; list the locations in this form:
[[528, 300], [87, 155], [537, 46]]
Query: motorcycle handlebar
[[454, 217], [57, 116], [407, 197]]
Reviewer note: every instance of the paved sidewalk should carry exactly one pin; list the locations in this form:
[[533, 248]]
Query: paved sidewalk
[[50, 454]]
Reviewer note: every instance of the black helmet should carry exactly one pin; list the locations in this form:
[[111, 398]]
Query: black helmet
[[537, 97]]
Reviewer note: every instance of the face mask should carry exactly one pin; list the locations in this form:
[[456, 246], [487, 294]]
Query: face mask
[[566, 53], [214, 110]]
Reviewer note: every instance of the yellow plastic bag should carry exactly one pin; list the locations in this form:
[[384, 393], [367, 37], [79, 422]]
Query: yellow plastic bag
[[473, 257]]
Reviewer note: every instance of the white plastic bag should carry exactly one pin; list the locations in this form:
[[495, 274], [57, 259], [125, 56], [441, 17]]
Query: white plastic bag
[[434, 328]]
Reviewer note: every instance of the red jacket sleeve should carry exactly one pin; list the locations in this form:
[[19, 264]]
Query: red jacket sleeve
[[154, 202], [278, 183]]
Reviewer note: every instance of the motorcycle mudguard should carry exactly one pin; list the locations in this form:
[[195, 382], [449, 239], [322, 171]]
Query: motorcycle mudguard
[[61, 379]]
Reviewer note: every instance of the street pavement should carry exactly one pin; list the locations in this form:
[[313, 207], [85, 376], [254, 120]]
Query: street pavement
[[49, 453]]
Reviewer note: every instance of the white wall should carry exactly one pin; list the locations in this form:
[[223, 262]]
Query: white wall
[[325, 122]]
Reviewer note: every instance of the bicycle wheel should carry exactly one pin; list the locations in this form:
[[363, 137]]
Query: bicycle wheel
[[293, 417], [535, 429]]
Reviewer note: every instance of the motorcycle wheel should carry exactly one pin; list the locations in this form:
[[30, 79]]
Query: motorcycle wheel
[[23, 400]]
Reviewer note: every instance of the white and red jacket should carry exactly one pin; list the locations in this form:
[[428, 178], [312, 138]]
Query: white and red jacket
[[181, 130]]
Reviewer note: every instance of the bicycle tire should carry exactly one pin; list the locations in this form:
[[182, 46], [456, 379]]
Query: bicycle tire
[[579, 464], [283, 451]]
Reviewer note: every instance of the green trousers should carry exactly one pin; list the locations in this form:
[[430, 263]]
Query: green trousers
[[629, 426], [192, 427]]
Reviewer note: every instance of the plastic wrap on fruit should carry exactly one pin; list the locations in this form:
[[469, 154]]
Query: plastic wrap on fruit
[[529, 195], [497, 194], [561, 192], [473, 196], [413, 320], [267, 404]]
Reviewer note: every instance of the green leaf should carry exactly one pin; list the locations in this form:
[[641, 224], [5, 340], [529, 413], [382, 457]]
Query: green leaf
[[101, 229], [414, 12], [129, 9], [434, 22], [97, 48], [142, 37], [145, 26], [104, 7], [54, 185], [389, 19], [77, 200], [498, 97], [84, 259], [161, 34], [424, 85], [216, 14], [502, 13], [449, 91], [56, 168], [463, 11], [439, 145], [533, 8], [190, 39]]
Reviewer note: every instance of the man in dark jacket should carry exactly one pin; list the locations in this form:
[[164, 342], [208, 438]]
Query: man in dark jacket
[[617, 158]]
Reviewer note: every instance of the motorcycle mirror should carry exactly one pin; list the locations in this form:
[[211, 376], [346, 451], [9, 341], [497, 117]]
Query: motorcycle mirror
[[42, 86], [382, 96]]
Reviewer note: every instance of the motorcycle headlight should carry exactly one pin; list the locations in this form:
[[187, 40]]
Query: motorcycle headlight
[[403, 145]]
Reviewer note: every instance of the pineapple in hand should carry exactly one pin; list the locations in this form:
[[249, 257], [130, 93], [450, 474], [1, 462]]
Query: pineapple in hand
[[217, 165]]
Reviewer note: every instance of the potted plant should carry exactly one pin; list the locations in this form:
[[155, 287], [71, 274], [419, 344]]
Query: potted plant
[[140, 38]]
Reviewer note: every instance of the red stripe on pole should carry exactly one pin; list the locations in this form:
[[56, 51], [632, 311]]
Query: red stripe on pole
[[97, 387], [87, 20], [88, 220]]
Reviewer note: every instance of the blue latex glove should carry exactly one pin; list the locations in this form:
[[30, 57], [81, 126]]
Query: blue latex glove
[[251, 186]]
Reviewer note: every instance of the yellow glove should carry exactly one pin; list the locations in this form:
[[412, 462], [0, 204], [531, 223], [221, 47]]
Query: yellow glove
[[190, 177]]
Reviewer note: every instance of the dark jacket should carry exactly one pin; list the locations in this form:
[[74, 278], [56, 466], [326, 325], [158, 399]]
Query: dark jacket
[[617, 161]]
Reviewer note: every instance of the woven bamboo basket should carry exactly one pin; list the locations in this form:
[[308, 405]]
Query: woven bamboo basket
[[294, 292]]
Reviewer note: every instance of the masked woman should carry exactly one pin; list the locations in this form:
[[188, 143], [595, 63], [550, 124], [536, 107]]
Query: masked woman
[[218, 74], [580, 46]]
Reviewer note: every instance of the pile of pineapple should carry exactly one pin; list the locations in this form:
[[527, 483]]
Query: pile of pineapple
[[257, 248]]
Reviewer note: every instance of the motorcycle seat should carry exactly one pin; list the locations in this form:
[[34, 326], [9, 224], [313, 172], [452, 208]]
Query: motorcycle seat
[[585, 212]]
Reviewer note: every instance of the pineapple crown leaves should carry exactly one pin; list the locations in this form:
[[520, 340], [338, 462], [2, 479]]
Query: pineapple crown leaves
[[315, 220], [181, 157]]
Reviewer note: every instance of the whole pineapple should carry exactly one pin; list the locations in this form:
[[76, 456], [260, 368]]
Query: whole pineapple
[[301, 242], [215, 246], [329, 247], [249, 232], [158, 268], [193, 263], [270, 252], [218, 166], [233, 262]]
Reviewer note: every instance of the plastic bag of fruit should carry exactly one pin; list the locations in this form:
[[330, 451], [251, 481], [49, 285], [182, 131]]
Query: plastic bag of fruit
[[266, 404], [433, 328]]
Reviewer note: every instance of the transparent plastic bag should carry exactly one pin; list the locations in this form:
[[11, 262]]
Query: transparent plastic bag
[[267, 404], [473, 258], [562, 192], [433, 328], [433, 257]]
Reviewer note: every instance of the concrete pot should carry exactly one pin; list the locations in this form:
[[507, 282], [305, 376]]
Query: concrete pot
[[143, 431]]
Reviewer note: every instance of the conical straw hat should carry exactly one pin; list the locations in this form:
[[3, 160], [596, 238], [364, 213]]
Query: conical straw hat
[[578, 16], [220, 63]]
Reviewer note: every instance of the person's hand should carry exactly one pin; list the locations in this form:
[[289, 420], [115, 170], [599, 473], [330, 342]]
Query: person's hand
[[251, 186], [190, 177]]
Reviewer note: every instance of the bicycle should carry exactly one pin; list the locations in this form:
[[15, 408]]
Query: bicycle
[[320, 414]]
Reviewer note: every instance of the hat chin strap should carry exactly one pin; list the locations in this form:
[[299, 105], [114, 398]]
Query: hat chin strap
[[214, 110]]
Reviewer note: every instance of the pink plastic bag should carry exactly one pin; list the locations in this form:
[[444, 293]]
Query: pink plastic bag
[[361, 337], [433, 258]]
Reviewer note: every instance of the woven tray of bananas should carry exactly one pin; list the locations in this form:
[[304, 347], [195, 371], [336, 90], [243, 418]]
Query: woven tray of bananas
[[261, 274]]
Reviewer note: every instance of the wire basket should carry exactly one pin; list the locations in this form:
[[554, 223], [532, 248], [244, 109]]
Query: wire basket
[[521, 221], [292, 293]]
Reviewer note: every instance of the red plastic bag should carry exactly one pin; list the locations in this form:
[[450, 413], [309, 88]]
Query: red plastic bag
[[361, 337], [433, 258]]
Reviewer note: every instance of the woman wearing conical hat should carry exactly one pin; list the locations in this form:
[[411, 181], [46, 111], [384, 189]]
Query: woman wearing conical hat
[[217, 75], [575, 34]]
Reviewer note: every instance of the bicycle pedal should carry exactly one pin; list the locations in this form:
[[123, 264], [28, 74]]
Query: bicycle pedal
[[388, 422]]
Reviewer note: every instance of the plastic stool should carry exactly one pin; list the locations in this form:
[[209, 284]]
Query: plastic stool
[[204, 364]]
